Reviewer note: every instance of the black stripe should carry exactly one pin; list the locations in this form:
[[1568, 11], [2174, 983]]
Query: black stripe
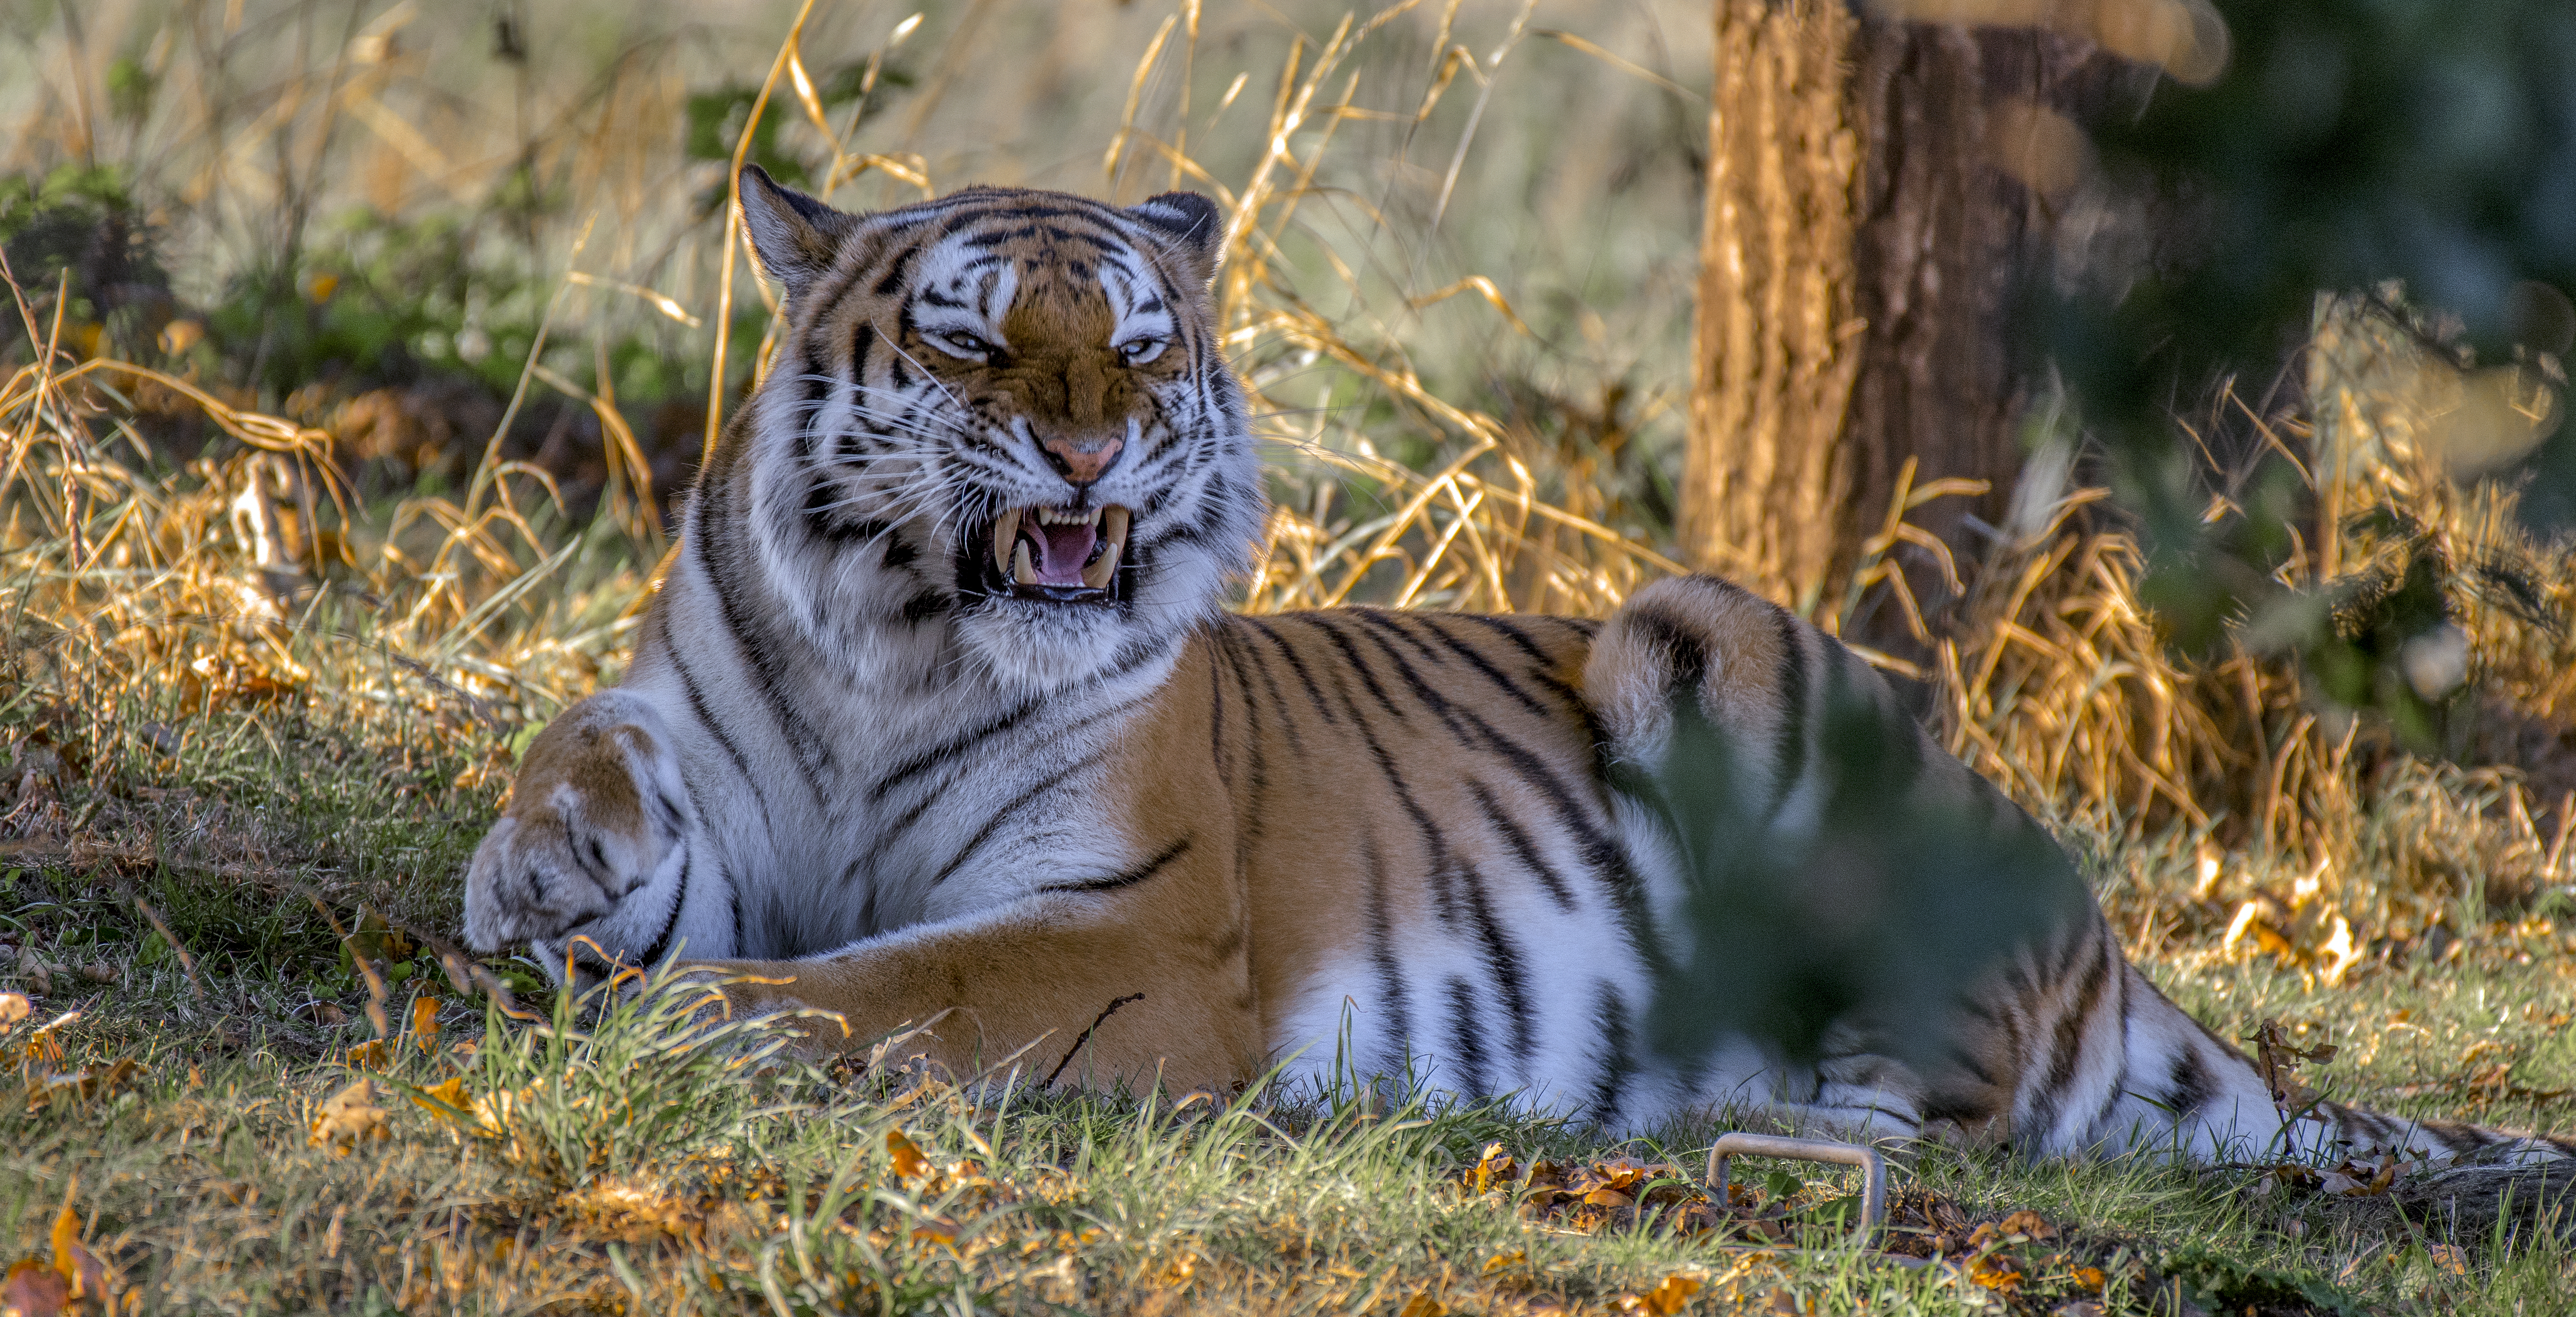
[[1791, 756], [956, 746], [1685, 656], [1503, 960], [1468, 1038], [1248, 814], [1216, 727], [662, 943], [706, 718], [733, 901], [1601, 852], [1390, 968], [1126, 877], [2187, 1086], [1970, 1062], [1491, 673], [1368, 676], [1018, 803], [2066, 1045], [813, 757], [1269, 631], [1521, 845], [1618, 1054]]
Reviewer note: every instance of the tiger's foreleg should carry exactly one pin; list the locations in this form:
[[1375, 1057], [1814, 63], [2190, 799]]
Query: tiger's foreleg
[[1023, 985], [595, 843]]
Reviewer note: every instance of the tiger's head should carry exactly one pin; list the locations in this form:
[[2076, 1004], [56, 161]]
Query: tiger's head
[[1012, 401]]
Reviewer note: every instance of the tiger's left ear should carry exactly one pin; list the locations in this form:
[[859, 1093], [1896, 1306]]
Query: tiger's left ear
[[1194, 229], [797, 237]]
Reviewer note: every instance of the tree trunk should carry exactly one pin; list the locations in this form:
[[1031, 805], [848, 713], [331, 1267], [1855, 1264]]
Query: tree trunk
[[1858, 265]]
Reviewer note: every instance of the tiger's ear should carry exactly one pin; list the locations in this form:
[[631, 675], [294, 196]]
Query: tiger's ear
[[797, 237], [1193, 230]]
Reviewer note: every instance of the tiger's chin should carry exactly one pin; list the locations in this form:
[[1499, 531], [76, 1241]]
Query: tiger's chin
[[1052, 597]]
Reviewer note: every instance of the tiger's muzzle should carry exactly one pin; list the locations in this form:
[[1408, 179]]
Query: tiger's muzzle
[[1058, 555]]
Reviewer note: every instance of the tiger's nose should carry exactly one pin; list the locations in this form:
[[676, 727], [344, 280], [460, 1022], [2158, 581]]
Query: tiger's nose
[[1083, 461]]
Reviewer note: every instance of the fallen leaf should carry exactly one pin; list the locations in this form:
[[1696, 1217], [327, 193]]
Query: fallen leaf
[[33, 1289], [82, 1272], [424, 1021], [1995, 1274], [369, 1055], [14, 1007], [2089, 1278], [1502, 1261], [908, 1161], [934, 1232], [1669, 1297], [2449, 1258], [1421, 1305], [349, 1117], [1495, 1168], [2030, 1224], [1177, 1271]]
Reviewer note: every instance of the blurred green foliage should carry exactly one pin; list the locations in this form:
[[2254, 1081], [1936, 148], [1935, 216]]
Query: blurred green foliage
[[2428, 142], [79, 223], [1913, 884], [716, 119]]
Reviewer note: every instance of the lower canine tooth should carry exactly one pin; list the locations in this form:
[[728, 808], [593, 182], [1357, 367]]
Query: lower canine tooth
[[1020, 569]]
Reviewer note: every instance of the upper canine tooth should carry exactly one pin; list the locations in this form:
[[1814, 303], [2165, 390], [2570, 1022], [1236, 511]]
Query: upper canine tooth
[[1006, 529], [1113, 537], [1021, 571]]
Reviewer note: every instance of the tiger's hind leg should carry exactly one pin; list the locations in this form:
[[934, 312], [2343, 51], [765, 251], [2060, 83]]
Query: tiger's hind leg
[[1835, 891]]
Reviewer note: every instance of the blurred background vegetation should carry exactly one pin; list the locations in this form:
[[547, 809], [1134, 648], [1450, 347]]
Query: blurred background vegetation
[[2195, 463]]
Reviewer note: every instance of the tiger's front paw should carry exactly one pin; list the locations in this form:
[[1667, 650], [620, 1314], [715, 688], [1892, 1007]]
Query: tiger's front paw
[[598, 812]]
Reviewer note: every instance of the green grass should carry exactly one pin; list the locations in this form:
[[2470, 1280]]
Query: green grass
[[635, 1171]]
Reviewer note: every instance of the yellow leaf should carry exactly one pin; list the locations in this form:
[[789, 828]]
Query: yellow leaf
[[424, 1021], [369, 1055], [908, 1161], [2090, 1278], [1669, 1297], [934, 1232], [79, 1267], [180, 335], [447, 1104], [14, 1007], [1421, 1305], [349, 1117], [1502, 1261], [2028, 1223], [1995, 1274]]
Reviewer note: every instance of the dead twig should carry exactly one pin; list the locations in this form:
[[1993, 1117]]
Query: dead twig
[[187, 963], [1076, 1050]]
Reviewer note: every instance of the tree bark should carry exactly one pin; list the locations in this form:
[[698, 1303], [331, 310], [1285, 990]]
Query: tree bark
[[1859, 261]]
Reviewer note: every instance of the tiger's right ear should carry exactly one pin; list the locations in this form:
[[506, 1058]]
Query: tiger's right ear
[[797, 237], [1193, 230]]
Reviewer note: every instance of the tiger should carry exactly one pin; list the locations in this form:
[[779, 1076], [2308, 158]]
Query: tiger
[[939, 725]]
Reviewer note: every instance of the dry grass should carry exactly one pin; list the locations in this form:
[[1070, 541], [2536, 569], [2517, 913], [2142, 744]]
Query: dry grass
[[238, 620], [249, 575]]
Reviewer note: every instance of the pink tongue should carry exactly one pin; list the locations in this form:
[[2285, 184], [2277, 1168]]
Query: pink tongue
[[1061, 552]]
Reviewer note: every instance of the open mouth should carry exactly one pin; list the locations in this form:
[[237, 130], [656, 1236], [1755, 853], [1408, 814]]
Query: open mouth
[[1058, 555]]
